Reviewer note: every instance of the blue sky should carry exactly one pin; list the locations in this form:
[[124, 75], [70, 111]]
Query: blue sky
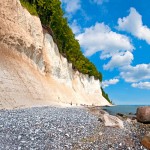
[[115, 36]]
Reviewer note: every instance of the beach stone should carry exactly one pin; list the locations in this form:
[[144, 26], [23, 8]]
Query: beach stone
[[112, 121], [128, 120], [120, 114], [143, 114], [146, 141]]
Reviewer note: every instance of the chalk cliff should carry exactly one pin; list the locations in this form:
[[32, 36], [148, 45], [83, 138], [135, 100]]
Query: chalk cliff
[[32, 71]]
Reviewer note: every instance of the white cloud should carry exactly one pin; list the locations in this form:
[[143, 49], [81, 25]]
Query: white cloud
[[119, 60], [106, 83], [111, 44], [75, 27], [101, 38], [134, 25], [71, 6], [135, 74], [142, 85], [100, 2]]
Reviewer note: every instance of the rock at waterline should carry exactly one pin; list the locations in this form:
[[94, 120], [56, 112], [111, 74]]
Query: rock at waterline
[[108, 120], [146, 141], [111, 121], [143, 114]]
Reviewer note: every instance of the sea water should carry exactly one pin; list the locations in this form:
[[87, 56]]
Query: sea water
[[123, 109]]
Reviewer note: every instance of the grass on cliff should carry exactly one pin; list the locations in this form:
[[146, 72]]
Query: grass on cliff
[[29, 7]]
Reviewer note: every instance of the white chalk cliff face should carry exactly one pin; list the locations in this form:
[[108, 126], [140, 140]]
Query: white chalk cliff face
[[32, 71]]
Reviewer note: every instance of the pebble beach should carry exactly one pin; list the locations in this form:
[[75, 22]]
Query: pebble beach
[[54, 128]]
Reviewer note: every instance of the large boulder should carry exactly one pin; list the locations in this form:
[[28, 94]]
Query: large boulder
[[111, 121], [146, 141], [143, 114]]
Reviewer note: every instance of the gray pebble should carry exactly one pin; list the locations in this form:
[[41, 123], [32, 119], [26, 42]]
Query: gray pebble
[[52, 128]]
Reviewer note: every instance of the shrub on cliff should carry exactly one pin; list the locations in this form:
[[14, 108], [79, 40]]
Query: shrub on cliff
[[29, 7], [105, 95]]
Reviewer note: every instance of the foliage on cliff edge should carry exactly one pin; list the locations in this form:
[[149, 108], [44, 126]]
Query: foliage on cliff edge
[[52, 16]]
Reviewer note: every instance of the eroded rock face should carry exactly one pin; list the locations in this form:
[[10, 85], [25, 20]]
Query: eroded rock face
[[62, 71], [32, 67], [143, 114], [21, 31]]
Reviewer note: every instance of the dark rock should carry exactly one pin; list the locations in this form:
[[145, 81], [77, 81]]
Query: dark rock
[[99, 119], [133, 117], [106, 106], [143, 114], [131, 113], [146, 141], [119, 114], [105, 109]]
